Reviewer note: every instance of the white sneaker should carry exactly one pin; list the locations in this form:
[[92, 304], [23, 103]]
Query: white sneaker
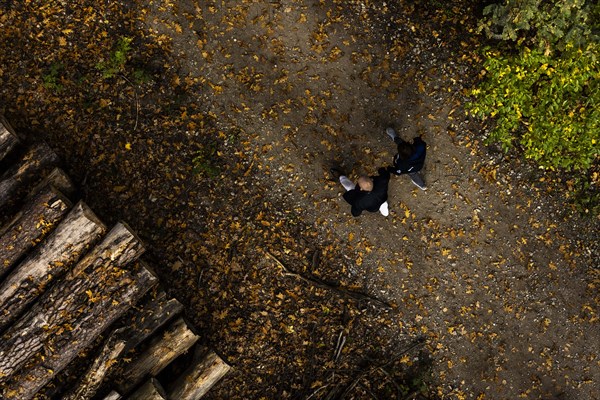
[[384, 210]]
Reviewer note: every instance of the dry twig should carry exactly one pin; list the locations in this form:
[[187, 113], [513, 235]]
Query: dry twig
[[317, 282]]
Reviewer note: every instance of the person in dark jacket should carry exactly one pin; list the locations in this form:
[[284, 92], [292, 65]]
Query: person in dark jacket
[[409, 159], [368, 194]]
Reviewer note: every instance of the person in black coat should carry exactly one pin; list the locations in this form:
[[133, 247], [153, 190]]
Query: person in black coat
[[368, 194], [410, 158]]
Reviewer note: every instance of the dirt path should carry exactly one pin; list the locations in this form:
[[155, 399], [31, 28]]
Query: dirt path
[[475, 263]]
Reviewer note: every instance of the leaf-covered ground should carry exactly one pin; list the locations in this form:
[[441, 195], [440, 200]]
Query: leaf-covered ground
[[212, 138]]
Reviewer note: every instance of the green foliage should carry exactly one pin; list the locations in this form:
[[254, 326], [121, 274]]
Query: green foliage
[[544, 94], [595, 16], [547, 25], [204, 161], [52, 78], [586, 194], [116, 62], [141, 76], [548, 105]]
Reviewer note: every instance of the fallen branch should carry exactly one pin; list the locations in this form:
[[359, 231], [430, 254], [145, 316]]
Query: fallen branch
[[137, 102], [365, 373], [340, 345], [322, 284]]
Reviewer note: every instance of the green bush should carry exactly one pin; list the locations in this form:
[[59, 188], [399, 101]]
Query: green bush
[[117, 59], [548, 105], [204, 161], [52, 78], [545, 25]]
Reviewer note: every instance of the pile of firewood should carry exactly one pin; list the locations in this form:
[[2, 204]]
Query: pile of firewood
[[82, 316]]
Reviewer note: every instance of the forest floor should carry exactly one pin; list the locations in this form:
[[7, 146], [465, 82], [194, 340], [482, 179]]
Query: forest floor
[[214, 140]]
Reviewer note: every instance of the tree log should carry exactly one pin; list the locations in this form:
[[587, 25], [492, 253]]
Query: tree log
[[111, 352], [112, 396], [155, 309], [49, 260], [68, 317], [57, 178], [176, 340], [153, 312], [151, 390], [197, 380], [8, 138], [37, 218], [38, 161]]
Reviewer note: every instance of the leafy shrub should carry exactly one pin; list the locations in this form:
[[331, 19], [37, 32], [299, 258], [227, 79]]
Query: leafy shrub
[[52, 78], [586, 194], [117, 59], [548, 105], [204, 161], [546, 25]]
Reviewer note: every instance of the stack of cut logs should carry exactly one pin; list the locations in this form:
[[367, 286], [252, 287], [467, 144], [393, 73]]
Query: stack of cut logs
[[82, 316]]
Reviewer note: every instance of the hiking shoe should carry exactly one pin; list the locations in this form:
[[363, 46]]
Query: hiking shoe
[[416, 178], [335, 173], [391, 133]]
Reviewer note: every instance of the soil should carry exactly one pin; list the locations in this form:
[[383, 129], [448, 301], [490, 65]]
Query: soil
[[214, 143]]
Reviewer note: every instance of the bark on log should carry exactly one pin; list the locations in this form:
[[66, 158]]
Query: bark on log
[[57, 178], [111, 352], [163, 349], [67, 318], [112, 396], [197, 380], [8, 138], [151, 390], [38, 161], [154, 311], [58, 253], [38, 217]]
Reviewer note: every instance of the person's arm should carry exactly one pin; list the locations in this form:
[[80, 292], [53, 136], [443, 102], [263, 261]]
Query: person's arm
[[353, 198], [384, 173], [392, 170], [356, 211], [398, 140]]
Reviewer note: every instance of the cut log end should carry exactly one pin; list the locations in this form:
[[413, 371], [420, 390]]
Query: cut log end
[[112, 396], [32, 223], [57, 178], [151, 390], [160, 352], [8, 138], [199, 378]]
